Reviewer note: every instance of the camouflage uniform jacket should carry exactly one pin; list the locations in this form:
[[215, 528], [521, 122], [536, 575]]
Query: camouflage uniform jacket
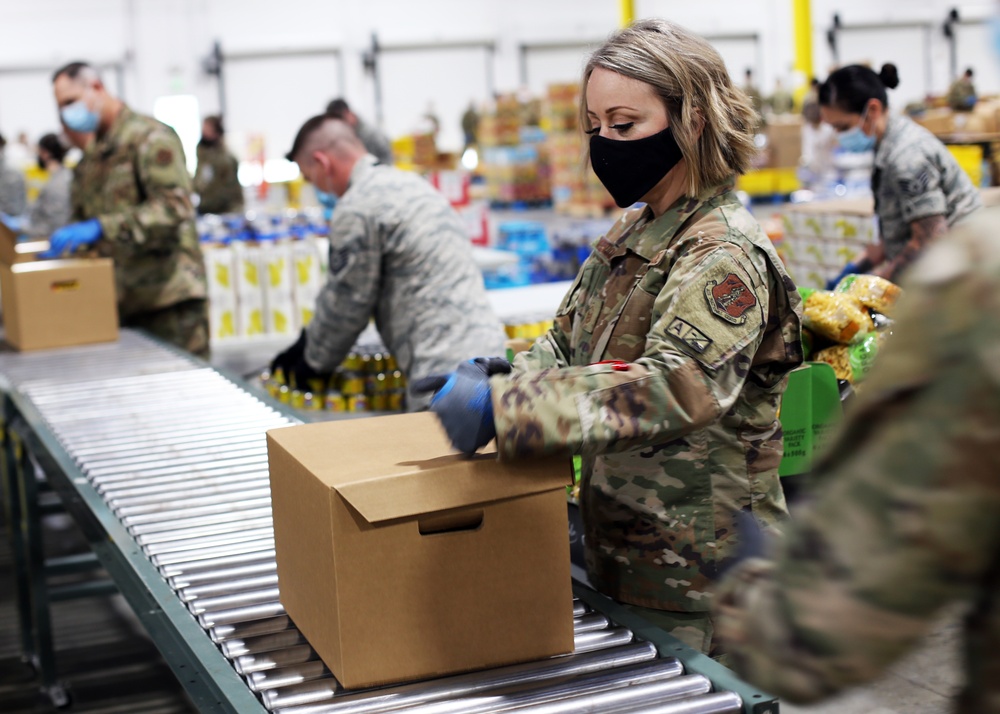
[[962, 95], [907, 518], [134, 181], [52, 208], [13, 194], [682, 434], [916, 177], [376, 143], [216, 181], [400, 253]]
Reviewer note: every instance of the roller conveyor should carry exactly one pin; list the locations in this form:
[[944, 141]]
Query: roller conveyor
[[162, 461]]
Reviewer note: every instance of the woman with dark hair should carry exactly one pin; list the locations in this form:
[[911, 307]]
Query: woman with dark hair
[[920, 190]]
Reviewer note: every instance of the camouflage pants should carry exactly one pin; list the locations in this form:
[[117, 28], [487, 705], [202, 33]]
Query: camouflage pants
[[184, 324], [695, 629]]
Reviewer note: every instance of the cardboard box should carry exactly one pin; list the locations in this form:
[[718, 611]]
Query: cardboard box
[[399, 559], [12, 252], [59, 303], [784, 142]]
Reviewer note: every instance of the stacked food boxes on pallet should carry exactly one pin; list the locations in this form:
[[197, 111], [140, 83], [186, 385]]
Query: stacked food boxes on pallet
[[264, 273], [514, 162], [821, 237], [576, 191]]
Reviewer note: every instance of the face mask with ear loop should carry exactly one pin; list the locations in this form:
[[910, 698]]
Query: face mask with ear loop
[[855, 141]]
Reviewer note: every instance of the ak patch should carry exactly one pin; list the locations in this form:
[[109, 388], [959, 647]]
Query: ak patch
[[689, 335], [164, 157], [730, 299]]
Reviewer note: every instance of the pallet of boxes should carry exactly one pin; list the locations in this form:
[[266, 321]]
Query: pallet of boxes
[[821, 237], [576, 190], [54, 303], [514, 154]]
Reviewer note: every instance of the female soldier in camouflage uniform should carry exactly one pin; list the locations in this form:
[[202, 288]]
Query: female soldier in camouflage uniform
[[920, 190], [670, 352]]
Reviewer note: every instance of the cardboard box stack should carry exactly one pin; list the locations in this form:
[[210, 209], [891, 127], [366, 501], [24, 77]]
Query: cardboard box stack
[[54, 303], [576, 190], [401, 560], [821, 237], [514, 155]]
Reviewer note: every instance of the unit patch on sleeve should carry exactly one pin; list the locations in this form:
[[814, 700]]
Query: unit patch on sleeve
[[689, 335], [730, 298]]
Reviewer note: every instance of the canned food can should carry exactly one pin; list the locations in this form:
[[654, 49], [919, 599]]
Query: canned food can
[[390, 363], [396, 401], [379, 402], [357, 403], [352, 363], [353, 384], [335, 401], [397, 381], [311, 403], [284, 394], [298, 399]]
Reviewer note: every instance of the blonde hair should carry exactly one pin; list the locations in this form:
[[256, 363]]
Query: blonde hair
[[688, 74]]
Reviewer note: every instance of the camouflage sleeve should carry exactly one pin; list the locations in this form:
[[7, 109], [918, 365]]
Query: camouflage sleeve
[[165, 188], [51, 209], [552, 348], [13, 195], [905, 521], [347, 301], [695, 361]]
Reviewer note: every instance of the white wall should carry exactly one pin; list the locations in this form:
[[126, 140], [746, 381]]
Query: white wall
[[162, 43]]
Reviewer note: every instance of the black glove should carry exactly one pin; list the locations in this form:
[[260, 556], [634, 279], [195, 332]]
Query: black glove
[[292, 363], [463, 403]]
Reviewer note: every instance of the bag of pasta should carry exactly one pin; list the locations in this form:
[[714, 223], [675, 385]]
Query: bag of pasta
[[873, 292], [836, 316], [851, 362]]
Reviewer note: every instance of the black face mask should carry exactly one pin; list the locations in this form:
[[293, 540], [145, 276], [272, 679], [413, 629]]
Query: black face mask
[[41, 162], [629, 169], [208, 143]]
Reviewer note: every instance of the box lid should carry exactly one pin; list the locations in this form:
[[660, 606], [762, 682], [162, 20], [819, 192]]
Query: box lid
[[12, 252], [402, 465]]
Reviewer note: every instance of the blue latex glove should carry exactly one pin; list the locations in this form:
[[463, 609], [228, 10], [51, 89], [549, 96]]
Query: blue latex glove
[[15, 223], [463, 402], [848, 270], [75, 235]]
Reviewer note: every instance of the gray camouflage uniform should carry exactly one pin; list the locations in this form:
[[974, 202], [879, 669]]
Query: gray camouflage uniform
[[52, 208], [400, 253], [13, 195], [376, 143], [907, 516], [916, 177]]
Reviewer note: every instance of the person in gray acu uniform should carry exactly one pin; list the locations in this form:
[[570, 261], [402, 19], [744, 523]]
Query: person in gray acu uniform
[[398, 253], [920, 190]]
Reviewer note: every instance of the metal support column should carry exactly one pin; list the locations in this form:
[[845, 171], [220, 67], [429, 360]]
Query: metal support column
[[802, 26]]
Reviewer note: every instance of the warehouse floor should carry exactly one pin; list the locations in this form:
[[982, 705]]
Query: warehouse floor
[[112, 668]]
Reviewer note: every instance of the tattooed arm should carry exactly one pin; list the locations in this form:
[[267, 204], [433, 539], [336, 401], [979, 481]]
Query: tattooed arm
[[923, 232]]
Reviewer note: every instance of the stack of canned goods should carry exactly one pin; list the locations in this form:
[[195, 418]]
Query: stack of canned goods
[[367, 381], [528, 326]]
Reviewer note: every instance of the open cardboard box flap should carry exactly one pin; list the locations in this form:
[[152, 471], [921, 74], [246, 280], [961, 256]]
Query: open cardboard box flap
[[12, 252], [406, 467]]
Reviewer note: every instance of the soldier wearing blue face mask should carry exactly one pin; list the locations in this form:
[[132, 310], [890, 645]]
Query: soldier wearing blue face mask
[[920, 190]]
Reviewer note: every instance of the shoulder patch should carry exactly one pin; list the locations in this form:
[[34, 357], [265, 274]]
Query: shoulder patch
[[730, 298], [164, 157], [915, 185]]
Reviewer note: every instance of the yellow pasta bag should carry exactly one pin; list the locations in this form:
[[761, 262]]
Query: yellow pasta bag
[[836, 316], [873, 292]]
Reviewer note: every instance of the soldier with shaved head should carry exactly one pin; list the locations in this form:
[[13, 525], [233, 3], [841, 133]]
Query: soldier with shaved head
[[399, 254]]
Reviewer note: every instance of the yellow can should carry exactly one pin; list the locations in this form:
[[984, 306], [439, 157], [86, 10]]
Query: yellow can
[[284, 394], [379, 402], [298, 399], [397, 400], [335, 401], [352, 363], [357, 403], [353, 383], [311, 403]]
